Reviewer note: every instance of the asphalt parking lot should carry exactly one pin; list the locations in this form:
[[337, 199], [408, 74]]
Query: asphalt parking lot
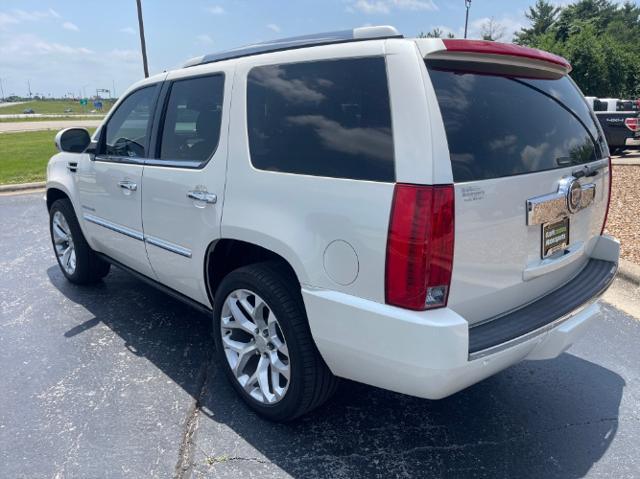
[[117, 380]]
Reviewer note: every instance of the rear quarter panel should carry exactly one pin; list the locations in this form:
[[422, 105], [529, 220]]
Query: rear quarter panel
[[299, 216]]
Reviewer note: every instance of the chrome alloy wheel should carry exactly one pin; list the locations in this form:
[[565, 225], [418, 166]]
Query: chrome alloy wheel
[[63, 243], [255, 347]]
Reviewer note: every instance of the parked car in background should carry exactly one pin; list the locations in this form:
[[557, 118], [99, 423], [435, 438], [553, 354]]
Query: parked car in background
[[28, 111], [351, 205], [620, 121]]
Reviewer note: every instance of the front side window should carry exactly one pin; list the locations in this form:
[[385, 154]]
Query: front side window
[[191, 128], [323, 118], [127, 130]]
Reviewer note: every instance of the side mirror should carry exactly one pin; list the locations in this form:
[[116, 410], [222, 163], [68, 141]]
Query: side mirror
[[72, 140]]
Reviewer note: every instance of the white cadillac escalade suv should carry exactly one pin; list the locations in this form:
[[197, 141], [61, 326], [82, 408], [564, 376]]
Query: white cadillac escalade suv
[[414, 214]]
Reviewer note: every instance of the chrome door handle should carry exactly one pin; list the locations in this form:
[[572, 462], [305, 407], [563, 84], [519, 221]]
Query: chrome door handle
[[209, 198], [128, 185]]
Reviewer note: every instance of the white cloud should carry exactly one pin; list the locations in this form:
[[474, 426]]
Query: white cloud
[[274, 27], [204, 39], [17, 15], [128, 30], [70, 26], [48, 47], [59, 67], [6, 19], [29, 45], [386, 6], [34, 15], [215, 10]]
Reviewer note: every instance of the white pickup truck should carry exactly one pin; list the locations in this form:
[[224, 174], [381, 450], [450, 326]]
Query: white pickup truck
[[351, 205]]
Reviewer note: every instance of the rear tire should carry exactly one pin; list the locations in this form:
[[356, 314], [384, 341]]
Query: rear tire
[[259, 319], [78, 262]]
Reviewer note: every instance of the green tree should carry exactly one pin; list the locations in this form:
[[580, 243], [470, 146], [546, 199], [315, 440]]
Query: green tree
[[542, 16], [600, 38], [436, 33], [590, 70]]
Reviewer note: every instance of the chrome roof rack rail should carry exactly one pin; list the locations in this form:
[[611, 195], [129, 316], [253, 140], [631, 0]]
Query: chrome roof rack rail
[[343, 36]]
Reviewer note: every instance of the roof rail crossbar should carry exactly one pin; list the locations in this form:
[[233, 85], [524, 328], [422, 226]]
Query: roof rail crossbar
[[342, 36]]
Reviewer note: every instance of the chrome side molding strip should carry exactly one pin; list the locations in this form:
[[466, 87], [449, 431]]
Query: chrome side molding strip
[[174, 248], [131, 233]]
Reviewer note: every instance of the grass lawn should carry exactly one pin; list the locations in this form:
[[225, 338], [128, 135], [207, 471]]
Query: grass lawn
[[53, 106], [55, 118], [24, 156]]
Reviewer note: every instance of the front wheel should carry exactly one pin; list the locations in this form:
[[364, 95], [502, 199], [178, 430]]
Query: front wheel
[[264, 344], [78, 262]]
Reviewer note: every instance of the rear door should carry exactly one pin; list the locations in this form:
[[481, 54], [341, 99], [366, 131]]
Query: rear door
[[184, 178], [518, 147]]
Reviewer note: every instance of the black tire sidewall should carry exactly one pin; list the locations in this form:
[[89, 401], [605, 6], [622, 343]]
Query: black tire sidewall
[[244, 279], [82, 272]]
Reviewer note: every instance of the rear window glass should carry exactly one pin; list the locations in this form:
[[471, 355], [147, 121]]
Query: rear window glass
[[323, 118], [500, 126], [627, 105]]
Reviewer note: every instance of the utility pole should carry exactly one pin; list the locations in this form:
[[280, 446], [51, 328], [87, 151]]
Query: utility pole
[[143, 44], [467, 4], [29, 87], [1, 89]]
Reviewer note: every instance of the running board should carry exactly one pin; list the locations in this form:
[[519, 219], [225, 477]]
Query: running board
[[152, 282]]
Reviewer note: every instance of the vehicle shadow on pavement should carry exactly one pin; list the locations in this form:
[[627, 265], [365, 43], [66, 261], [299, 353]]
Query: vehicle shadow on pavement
[[537, 419]]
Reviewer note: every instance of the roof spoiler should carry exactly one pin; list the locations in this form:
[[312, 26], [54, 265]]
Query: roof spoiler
[[482, 51]]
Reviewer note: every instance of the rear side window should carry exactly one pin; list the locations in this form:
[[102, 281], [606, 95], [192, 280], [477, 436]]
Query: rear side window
[[322, 118], [191, 128], [500, 126], [599, 105]]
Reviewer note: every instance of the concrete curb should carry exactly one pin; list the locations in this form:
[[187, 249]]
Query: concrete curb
[[22, 186], [629, 271], [626, 162]]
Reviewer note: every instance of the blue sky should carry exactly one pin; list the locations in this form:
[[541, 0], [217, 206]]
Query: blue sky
[[68, 46]]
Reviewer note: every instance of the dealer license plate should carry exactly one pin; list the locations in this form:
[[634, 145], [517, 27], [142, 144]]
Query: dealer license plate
[[555, 237]]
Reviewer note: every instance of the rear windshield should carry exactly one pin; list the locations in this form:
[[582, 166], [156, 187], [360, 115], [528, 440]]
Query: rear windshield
[[627, 105], [501, 126]]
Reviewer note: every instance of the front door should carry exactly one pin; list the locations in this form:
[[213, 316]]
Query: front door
[[110, 183], [184, 181]]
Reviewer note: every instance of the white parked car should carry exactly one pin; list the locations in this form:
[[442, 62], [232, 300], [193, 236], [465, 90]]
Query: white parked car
[[351, 205]]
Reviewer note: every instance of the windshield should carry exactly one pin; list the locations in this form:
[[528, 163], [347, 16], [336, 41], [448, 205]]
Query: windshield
[[500, 126]]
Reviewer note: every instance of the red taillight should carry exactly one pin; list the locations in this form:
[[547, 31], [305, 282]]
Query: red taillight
[[509, 49], [420, 246], [632, 123], [606, 212]]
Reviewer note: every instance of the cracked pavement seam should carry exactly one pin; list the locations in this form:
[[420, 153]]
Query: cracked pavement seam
[[185, 452]]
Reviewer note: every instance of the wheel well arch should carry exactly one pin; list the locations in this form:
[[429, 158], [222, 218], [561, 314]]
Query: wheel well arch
[[54, 194], [226, 255]]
